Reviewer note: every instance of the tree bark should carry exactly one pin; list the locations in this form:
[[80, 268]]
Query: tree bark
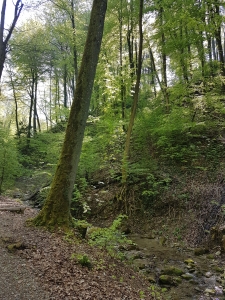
[[135, 100], [74, 43], [56, 210], [31, 94], [164, 60], [122, 86], [15, 101]]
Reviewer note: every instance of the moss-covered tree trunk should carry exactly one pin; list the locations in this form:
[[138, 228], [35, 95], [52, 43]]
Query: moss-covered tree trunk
[[56, 211]]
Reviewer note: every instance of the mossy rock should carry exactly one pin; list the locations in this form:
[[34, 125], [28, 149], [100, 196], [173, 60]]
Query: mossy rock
[[162, 241], [174, 271], [187, 276], [82, 226], [16, 246], [132, 255], [151, 278], [200, 251], [189, 261], [169, 280], [6, 239], [140, 264], [218, 269]]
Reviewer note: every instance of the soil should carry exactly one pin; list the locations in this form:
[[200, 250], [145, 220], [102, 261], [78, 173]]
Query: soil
[[37, 264]]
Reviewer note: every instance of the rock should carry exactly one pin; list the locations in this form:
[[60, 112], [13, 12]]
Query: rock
[[194, 281], [16, 246], [197, 289], [191, 270], [218, 269], [150, 236], [140, 264], [162, 240], [217, 237], [210, 291], [171, 270], [210, 256], [208, 274], [189, 261], [218, 253], [187, 276], [6, 239], [218, 290], [166, 279], [132, 246], [190, 265], [200, 251], [128, 247], [169, 280], [198, 273], [151, 278], [131, 255]]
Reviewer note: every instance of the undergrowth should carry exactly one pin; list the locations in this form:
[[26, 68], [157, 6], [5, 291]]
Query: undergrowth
[[110, 238]]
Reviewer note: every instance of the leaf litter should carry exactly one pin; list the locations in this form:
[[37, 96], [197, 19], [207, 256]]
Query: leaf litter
[[46, 259]]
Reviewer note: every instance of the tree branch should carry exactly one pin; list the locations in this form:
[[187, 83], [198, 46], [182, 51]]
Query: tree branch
[[17, 11]]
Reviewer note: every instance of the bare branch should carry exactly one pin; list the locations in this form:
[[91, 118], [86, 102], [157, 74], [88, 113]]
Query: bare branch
[[17, 11]]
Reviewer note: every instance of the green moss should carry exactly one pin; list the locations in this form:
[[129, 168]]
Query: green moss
[[169, 280], [200, 251], [171, 270], [187, 276], [16, 246], [189, 261]]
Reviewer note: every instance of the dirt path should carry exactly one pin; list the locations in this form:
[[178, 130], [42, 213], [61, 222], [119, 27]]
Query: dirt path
[[16, 279], [41, 267]]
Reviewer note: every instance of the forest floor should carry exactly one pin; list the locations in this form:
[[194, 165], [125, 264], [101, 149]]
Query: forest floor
[[37, 264]]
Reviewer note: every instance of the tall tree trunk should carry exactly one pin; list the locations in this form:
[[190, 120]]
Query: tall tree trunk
[[210, 55], [189, 53], [135, 99], [65, 86], [215, 55], [201, 53], [220, 48], [122, 87], [35, 107], [57, 97], [50, 101], [183, 54], [16, 103], [130, 38], [56, 210], [35, 104], [154, 71], [164, 60], [74, 42], [31, 94]]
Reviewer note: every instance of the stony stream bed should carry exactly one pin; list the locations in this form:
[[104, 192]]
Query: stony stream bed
[[177, 269]]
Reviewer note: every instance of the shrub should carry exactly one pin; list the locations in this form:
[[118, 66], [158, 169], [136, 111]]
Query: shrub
[[9, 160], [110, 238]]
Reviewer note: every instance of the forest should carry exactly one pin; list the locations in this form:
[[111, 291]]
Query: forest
[[112, 112]]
